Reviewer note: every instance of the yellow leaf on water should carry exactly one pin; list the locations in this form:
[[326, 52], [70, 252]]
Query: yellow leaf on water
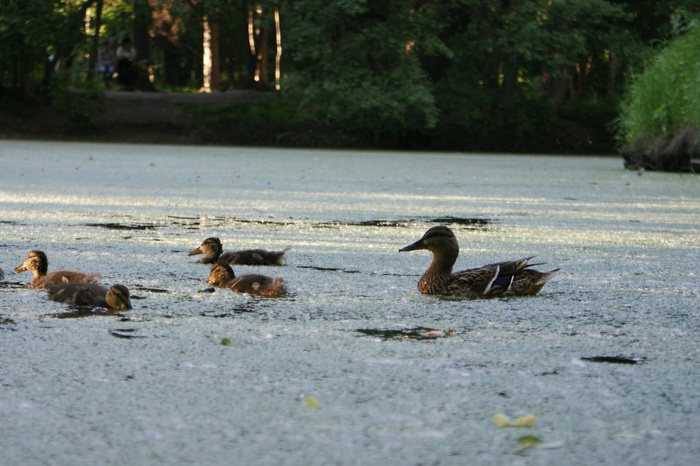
[[311, 402], [225, 342], [525, 421], [501, 420]]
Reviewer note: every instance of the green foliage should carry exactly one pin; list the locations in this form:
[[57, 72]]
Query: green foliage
[[31, 31], [364, 75], [665, 97], [262, 113], [386, 70], [555, 35], [117, 22]]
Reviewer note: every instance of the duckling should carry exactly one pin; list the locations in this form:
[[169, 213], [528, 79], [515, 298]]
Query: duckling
[[38, 264], [222, 275], [512, 278], [91, 294], [213, 252]]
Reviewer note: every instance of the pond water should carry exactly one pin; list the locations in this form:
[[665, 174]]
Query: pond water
[[606, 355]]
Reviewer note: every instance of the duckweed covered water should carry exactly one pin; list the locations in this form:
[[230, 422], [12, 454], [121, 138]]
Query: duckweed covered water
[[399, 378]]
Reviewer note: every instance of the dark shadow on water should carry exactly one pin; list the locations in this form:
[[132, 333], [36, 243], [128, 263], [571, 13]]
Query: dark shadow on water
[[150, 290], [470, 223], [230, 313], [326, 269], [123, 226], [254, 305], [79, 312], [417, 333], [125, 333], [14, 285], [197, 222], [6, 324], [614, 360]]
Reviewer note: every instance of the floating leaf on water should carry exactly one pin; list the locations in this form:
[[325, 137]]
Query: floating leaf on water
[[501, 420], [525, 421], [225, 342], [311, 402], [528, 441]]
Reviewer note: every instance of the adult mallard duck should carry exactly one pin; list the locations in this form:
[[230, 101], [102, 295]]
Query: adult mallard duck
[[91, 294], [513, 278], [213, 252], [222, 275], [37, 263]]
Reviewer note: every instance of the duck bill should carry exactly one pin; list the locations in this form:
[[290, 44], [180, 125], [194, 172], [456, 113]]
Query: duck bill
[[195, 252], [20, 268], [412, 247]]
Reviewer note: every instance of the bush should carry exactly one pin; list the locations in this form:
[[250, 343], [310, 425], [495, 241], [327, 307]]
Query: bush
[[665, 97]]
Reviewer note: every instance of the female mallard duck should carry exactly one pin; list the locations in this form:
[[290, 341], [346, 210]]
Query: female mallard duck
[[222, 275], [213, 252], [37, 263], [92, 294], [512, 278]]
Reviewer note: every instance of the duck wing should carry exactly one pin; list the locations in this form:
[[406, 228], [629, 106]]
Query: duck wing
[[79, 294], [254, 257], [493, 280], [259, 285], [64, 276], [512, 267], [473, 283], [529, 282]]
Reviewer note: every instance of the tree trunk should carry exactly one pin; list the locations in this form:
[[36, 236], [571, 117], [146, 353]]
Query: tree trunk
[[210, 59], [257, 52], [555, 88], [142, 23], [94, 50]]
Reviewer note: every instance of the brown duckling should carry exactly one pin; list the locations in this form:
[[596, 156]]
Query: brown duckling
[[222, 275], [512, 278], [91, 294], [213, 252], [37, 263]]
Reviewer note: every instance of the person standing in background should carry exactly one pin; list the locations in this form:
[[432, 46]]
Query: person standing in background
[[126, 65], [105, 60]]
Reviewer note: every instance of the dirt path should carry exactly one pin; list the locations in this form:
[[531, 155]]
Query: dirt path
[[159, 117], [117, 116]]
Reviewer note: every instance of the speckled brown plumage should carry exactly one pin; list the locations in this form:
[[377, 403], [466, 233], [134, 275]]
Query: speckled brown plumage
[[222, 275], [511, 278], [37, 263], [91, 294], [213, 252]]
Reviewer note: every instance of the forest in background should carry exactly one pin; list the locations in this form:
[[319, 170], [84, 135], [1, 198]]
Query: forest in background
[[428, 74]]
